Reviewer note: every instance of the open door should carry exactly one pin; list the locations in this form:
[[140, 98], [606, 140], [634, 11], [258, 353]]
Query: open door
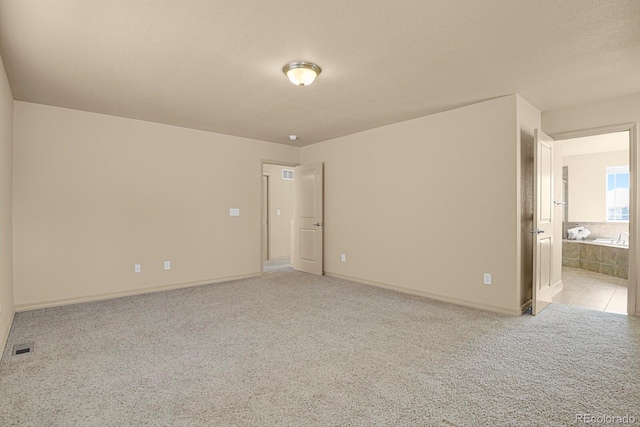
[[307, 236], [542, 221]]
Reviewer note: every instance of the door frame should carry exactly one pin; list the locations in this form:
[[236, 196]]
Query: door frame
[[634, 187], [262, 163], [266, 203]]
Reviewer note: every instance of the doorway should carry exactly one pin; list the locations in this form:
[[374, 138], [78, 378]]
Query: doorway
[[633, 219], [277, 213], [595, 216]]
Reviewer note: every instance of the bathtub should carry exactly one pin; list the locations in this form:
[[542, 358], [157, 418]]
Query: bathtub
[[603, 256], [609, 242]]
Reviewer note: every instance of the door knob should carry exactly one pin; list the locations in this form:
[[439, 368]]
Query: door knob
[[559, 203], [537, 231], [318, 224]]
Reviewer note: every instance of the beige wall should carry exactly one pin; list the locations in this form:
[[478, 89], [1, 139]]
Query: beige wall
[[6, 231], [96, 194], [423, 210], [587, 184], [427, 205], [281, 199], [601, 113]]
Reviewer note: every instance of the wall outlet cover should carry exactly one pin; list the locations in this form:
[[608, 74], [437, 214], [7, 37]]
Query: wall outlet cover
[[487, 278]]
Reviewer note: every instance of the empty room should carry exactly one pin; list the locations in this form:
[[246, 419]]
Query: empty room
[[337, 213]]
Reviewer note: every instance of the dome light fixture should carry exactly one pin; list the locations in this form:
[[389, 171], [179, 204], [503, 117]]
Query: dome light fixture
[[301, 73]]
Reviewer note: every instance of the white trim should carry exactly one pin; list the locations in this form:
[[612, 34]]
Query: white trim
[[623, 127], [555, 288], [279, 163], [262, 163], [120, 294], [634, 199], [5, 334], [453, 300]]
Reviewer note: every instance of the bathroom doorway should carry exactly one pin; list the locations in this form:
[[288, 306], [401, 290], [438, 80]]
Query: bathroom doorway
[[596, 212], [277, 212]]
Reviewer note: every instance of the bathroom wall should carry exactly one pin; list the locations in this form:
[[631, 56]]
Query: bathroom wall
[[587, 176], [603, 229]]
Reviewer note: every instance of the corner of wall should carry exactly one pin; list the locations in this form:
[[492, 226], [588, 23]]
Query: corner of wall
[[528, 118], [362, 194], [140, 206], [7, 308]]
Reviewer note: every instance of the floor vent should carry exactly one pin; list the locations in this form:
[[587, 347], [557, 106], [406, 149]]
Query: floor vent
[[22, 349]]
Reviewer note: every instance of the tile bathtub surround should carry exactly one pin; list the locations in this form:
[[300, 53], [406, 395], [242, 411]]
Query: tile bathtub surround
[[605, 230], [607, 260]]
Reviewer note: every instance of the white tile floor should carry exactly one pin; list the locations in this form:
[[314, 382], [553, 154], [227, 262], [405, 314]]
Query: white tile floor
[[582, 288]]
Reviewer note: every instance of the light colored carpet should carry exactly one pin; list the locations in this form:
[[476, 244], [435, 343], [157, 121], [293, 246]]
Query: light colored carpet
[[293, 349]]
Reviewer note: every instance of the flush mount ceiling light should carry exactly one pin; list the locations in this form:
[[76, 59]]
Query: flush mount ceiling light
[[301, 73]]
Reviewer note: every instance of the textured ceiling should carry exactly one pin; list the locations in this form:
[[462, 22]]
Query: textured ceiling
[[216, 65]]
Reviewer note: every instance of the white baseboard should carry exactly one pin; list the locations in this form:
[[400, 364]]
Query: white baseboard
[[4, 335], [556, 287], [120, 294], [453, 300]]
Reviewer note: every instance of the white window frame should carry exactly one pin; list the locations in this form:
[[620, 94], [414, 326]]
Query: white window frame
[[615, 170]]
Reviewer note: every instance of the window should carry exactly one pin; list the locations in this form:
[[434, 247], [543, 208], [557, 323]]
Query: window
[[287, 174], [618, 193]]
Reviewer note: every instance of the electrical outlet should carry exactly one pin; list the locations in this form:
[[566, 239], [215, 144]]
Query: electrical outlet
[[343, 257], [167, 265], [487, 278], [136, 268]]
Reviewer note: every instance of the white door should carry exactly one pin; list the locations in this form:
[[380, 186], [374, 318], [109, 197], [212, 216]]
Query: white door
[[307, 240], [542, 221]]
